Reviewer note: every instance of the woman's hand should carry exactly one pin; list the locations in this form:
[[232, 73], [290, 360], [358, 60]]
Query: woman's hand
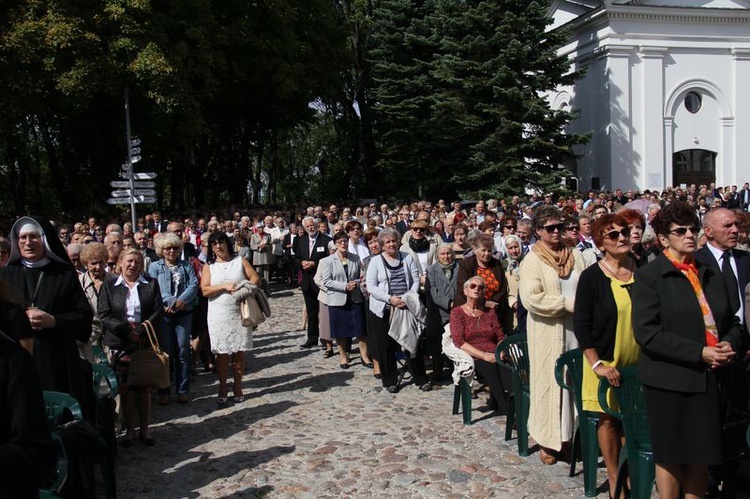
[[39, 319], [488, 357], [490, 304], [133, 335], [351, 286], [229, 287], [611, 373], [717, 356], [397, 302]]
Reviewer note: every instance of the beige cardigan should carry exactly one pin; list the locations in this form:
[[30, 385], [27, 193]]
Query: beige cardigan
[[541, 295]]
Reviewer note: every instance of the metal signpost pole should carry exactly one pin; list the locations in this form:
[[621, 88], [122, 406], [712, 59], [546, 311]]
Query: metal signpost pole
[[130, 159]]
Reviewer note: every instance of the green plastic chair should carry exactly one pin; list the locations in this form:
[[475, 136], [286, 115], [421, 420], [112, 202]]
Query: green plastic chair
[[99, 356], [515, 349], [585, 439], [632, 411], [61, 408], [462, 395], [106, 389]]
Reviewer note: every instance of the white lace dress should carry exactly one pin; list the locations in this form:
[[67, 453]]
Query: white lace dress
[[225, 328]]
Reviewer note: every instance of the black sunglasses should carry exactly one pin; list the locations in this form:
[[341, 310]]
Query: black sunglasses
[[418, 229], [572, 227], [555, 227], [615, 234], [681, 231]]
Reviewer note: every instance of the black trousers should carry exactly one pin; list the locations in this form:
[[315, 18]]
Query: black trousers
[[313, 306], [498, 379], [384, 350]]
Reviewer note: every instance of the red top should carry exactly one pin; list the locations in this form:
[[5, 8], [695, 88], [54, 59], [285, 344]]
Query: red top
[[483, 332]]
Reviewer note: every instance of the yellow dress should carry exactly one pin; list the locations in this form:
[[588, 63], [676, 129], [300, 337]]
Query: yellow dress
[[626, 349]]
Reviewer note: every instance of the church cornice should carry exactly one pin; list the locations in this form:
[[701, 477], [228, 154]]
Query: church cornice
[[677, 14]]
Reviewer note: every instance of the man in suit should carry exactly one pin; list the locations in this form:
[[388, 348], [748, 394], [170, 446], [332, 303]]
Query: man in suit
[[289, 243], [157, 224], [402, 226], [744, 196], [720, 226], [308, 251]]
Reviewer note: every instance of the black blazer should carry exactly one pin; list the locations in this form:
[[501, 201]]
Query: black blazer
[[112, 312], [741, 258], [402, 228], [302, 253], [668, 325]]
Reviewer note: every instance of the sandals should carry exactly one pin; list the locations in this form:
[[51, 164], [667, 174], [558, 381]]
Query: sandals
[[222, 403], [238, 399], [328, 354]]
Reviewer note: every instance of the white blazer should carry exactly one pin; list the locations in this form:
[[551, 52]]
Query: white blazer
[[335, 279]]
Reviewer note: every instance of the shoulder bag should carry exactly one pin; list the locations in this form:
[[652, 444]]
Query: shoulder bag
[[250, 311], [149, 366]]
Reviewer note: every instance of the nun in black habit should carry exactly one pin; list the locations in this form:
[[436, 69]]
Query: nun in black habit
[[40, 271]]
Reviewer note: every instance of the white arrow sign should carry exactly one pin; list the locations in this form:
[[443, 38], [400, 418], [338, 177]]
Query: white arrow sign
[[138, 199], [137, 192], [124, 184], [140, 176]]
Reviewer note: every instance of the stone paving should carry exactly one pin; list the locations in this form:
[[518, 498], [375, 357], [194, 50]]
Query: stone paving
[[310, 429]]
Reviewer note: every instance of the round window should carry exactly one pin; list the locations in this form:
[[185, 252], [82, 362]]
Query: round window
[[693, 102]]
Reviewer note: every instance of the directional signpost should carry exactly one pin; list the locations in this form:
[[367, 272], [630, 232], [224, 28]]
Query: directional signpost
[[132, 189], [128, 200], [124, 184]]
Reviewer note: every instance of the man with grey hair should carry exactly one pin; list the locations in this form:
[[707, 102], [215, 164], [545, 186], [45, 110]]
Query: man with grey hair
[[526, 233], [113, 243], [74, 253], [308, 251]]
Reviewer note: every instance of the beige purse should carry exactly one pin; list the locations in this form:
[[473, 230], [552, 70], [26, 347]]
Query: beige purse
[[251, 313], [149, 366]]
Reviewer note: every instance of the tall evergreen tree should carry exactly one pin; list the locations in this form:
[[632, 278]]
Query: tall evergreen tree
[[496, 64]]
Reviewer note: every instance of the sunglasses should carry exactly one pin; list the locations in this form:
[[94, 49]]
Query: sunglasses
[[572, 227], [171, 248], [418, 230], [480, 287], [681, 231], [509, 226], [555, 227], [615, 234]]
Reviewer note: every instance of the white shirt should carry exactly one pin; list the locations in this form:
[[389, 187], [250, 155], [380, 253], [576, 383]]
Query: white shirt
[[132, 301], [719, 254]]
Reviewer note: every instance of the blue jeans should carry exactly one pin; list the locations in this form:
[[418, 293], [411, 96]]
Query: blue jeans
[[174, 338]]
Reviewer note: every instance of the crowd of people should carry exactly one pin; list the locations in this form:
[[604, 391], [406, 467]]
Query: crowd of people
[[656, 279]]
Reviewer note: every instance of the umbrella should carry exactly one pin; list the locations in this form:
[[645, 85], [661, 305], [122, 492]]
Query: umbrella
[[638, 204]]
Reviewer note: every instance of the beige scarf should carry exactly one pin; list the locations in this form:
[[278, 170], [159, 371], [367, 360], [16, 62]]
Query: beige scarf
[[561, 260]]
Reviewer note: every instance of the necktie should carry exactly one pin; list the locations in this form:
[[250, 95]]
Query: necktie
[[730, 281]]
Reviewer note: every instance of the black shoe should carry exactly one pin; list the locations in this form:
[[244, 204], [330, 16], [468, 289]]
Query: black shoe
[[392, 389], [427, 387], [311, 342]]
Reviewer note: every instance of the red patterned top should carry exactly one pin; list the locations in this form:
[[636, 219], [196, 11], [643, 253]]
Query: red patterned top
[[492, 286], [482, 332]]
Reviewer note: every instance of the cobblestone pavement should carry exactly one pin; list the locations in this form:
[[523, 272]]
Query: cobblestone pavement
[[310, 429]]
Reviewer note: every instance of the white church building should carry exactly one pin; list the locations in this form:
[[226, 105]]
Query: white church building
[[666, 93]]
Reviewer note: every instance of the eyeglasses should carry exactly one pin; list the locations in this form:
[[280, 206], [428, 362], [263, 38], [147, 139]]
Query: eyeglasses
[[418, 229], [681, 231], [342, 241], [87, 241], [217, 243], [554, 227], [615, 234], [170, 248], [572, 227], [480, 287], [509, 226]]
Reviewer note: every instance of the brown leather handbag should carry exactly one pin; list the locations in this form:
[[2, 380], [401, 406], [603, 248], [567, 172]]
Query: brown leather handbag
[[149, 366]]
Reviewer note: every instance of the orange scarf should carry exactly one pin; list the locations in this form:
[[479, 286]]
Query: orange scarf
[[691, 272], [561, 260]]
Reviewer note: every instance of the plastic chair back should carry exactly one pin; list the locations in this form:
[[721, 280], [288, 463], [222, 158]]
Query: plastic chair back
[[60, 408], [632, 412], [572, 363], [105, 381], [513, 353]]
